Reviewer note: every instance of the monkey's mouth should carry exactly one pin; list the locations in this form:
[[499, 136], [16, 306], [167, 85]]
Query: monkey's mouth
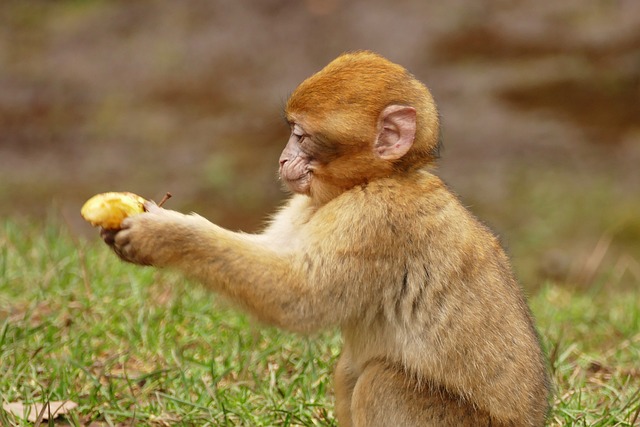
[[299, 185]]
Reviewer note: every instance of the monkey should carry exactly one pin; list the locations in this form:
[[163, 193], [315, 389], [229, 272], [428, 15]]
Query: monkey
[[436, 330]]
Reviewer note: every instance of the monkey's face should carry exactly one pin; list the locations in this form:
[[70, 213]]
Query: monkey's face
[[297, 161], [308, 158], [318, 164]]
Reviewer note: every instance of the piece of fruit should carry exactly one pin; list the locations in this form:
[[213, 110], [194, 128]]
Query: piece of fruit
[[108, 210]]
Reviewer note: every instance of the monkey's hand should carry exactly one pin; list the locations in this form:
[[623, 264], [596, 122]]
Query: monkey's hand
[[154, 237]]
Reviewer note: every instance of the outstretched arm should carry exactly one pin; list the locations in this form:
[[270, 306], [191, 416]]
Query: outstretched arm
[[278, 285]]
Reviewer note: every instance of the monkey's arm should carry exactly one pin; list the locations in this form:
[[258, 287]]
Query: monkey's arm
[[301, 288]]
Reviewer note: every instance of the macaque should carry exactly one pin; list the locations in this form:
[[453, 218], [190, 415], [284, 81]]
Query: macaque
[[436, 329]]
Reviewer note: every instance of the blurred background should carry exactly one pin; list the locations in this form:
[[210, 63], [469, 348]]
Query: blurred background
[[540, 104]]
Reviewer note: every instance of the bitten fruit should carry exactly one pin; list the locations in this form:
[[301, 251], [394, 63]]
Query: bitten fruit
[[108, 210]]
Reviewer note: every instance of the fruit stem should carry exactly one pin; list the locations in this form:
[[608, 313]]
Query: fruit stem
[[166, 197]]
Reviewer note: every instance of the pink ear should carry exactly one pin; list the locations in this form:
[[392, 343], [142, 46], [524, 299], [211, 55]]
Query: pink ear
[[396, 131]]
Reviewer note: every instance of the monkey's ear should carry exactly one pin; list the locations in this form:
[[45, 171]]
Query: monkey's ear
[[396, 131]]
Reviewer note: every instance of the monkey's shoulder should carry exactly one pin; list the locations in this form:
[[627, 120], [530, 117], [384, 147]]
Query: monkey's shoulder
[[415, 205], [407, 198], [386, 205]]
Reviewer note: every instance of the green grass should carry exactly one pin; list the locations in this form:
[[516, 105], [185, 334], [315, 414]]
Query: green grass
[[593, 341], [133, 346]]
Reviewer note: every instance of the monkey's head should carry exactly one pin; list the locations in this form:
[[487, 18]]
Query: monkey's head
[[360, 118]]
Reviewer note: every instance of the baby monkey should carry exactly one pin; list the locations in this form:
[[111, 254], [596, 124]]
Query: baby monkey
[[436, 329]]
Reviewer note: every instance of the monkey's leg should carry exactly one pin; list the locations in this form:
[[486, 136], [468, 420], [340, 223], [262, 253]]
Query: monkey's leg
[[385, 396], [344, 383]]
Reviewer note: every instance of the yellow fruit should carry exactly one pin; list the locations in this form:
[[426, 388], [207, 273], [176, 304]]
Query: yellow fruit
[[108, 210]]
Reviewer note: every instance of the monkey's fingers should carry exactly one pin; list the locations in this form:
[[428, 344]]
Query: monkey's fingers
[[151, 206], [108, 235], [126, 248]]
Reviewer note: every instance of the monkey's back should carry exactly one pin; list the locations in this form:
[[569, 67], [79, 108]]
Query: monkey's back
[[451, 313]]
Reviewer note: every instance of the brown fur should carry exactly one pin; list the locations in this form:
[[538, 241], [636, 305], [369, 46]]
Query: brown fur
[[436, 329]]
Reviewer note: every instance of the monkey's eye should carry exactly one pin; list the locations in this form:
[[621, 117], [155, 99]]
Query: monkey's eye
[[299, 133], [297, 130]]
